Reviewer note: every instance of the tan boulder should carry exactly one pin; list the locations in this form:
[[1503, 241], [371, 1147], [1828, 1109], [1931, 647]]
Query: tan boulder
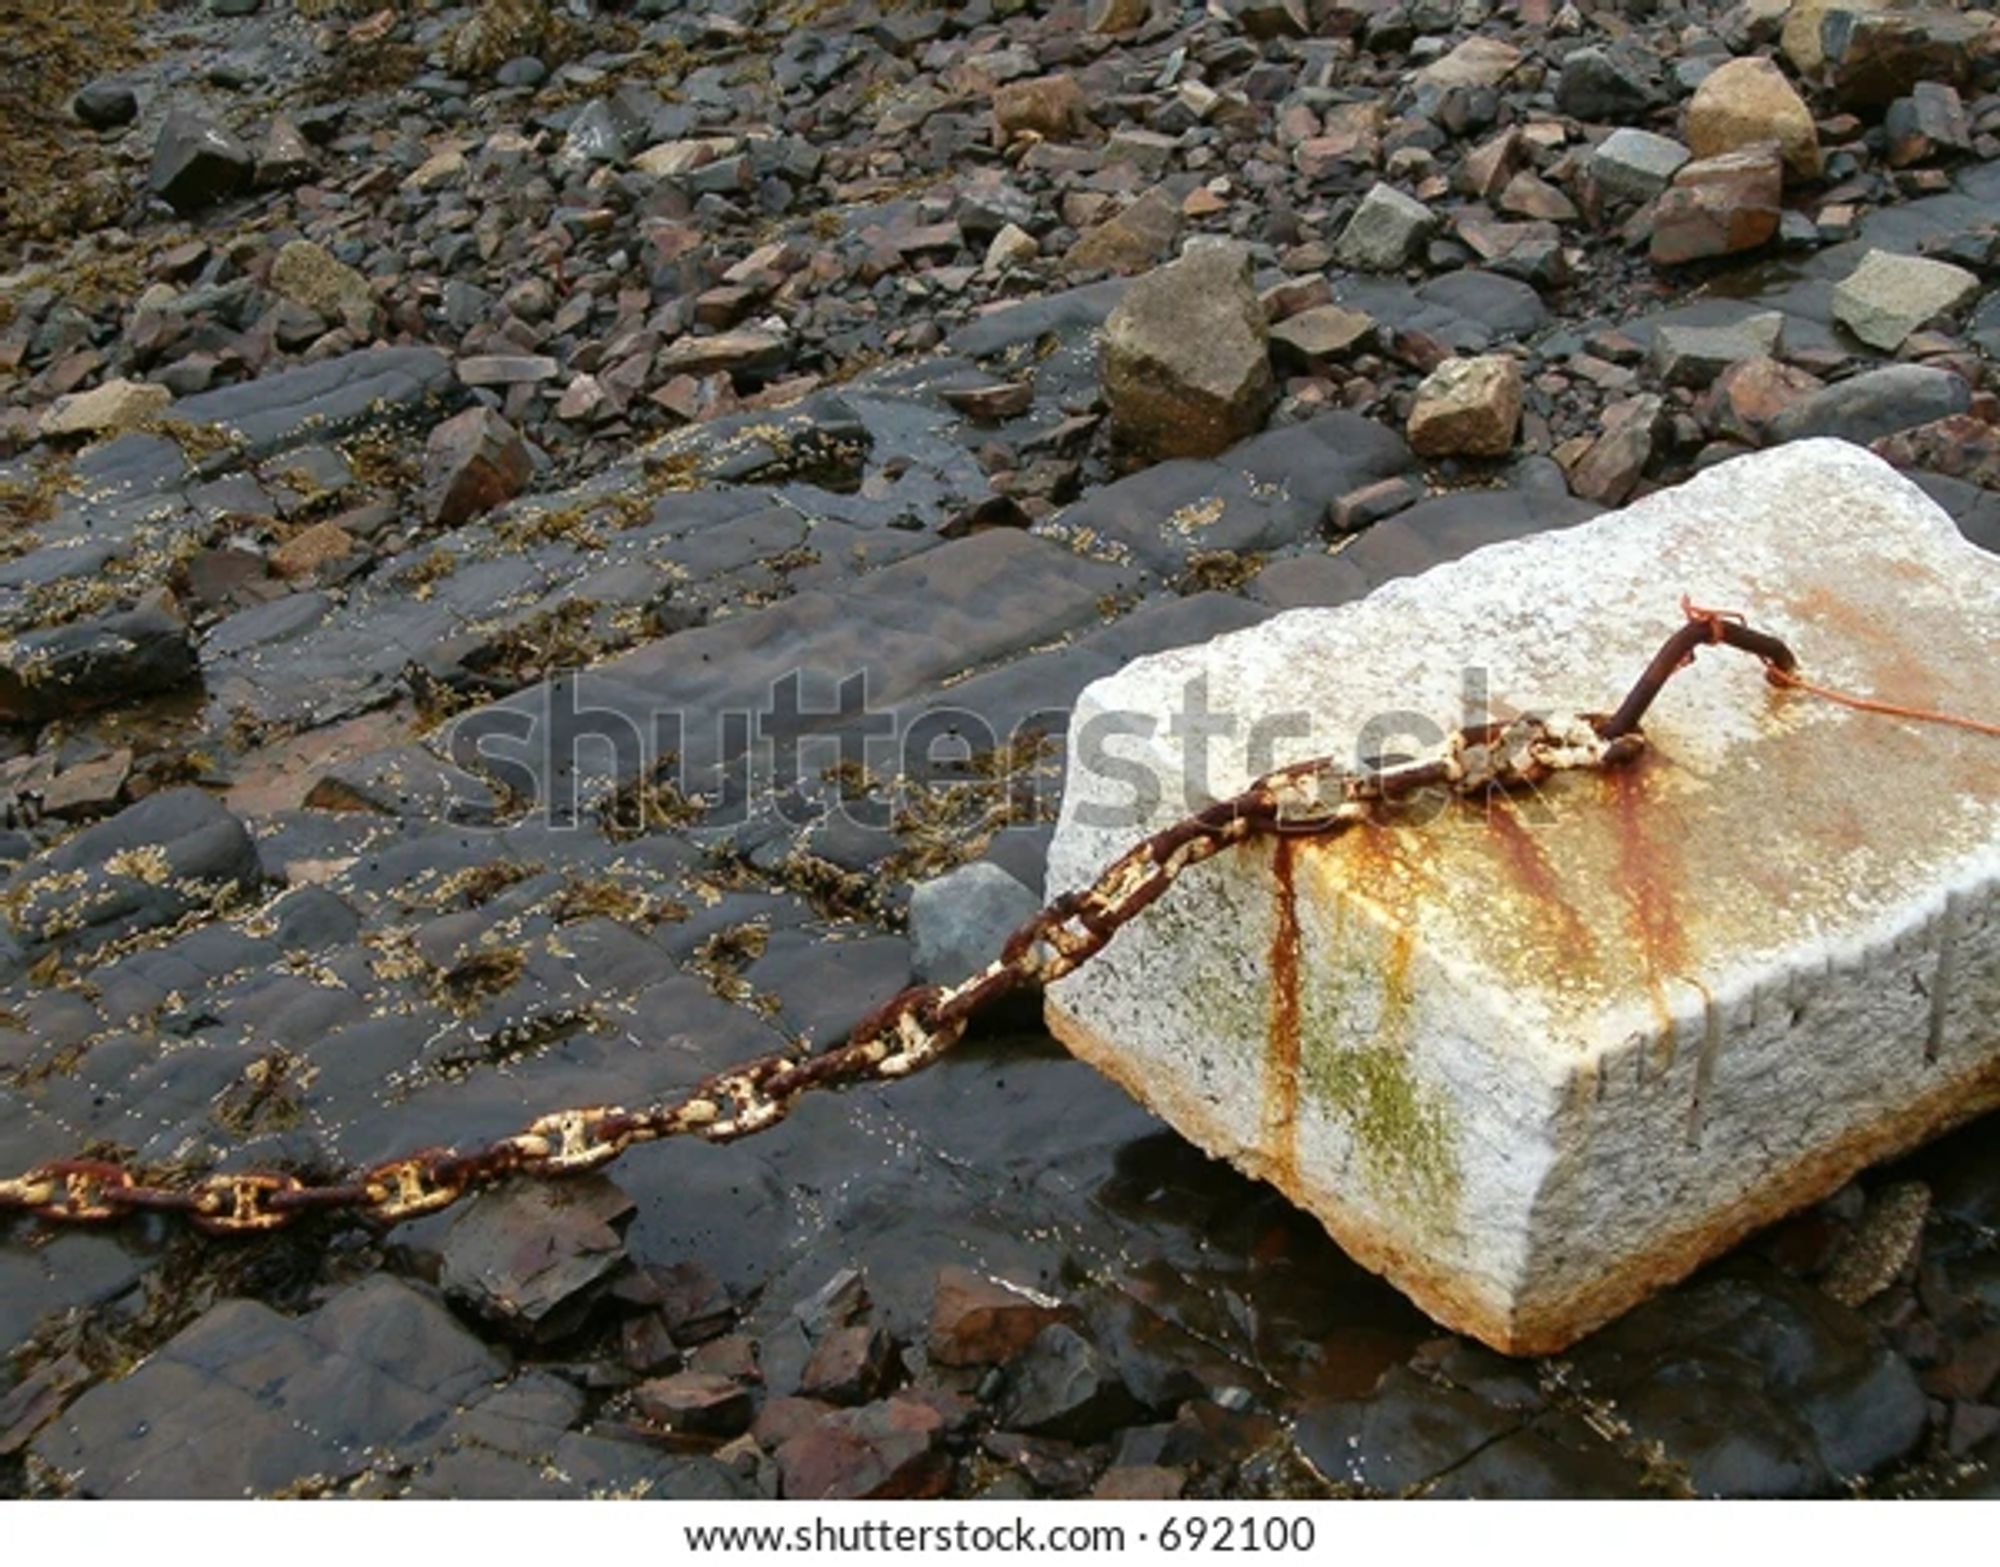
[[1749, 101]]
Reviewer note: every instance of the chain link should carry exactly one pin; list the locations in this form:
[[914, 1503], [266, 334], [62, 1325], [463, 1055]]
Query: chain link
[[919, 1025]]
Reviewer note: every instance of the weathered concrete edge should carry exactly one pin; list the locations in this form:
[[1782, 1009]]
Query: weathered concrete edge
[[1551, 1326]]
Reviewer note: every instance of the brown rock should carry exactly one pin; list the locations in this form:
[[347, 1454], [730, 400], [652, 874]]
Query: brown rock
[[850, 1366], [1140, 1483], [1187, 368], [980, 1321], [1617, 459], [1130, 242], [882, 1452], [1719, 206], [696, 1403], [305, 552], [1961, 446], [1051, 107], [472, 463], [1313, 339], [1750, 394], [1749, 101], [1468, 408]]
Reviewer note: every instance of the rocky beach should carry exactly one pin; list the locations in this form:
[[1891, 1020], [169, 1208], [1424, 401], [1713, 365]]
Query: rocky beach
[[549, 547]]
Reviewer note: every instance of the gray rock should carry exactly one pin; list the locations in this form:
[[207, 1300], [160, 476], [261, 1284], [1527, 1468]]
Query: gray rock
[[534, 1255], [1867, 407], [153, 862], [196, 163], [1696, 355], [1889, 296], [1594, 86], [406, 781], [1407, 1432], [959, 920], [246, 1402], [1636, 165], [95, 663], [1387, 232], [105, 105], [323, 400], [1064, 1386], [1186, 358]]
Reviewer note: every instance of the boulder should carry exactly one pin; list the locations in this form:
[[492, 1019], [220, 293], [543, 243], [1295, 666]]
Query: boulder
[[1186, 359], [1535, 1058], [1749, 101]]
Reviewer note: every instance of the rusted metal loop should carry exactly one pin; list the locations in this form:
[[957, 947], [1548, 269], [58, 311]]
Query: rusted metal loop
[[239, 1204], [80, 1187], [407, 1188], [580, 1144]]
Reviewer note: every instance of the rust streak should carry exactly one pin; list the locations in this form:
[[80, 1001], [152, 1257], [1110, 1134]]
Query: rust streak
[[1649, 877], [1281, 1064], [1531, 869]]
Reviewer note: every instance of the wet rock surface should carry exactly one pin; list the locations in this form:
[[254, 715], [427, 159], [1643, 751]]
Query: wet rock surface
[[476, 485]]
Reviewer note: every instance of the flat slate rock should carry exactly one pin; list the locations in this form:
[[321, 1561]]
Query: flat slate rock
[[246, 1402]]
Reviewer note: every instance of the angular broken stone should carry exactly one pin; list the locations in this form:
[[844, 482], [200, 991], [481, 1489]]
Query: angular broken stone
[[1617, 459], [1386, 233], [981, 1321], [115, 405], [1187, 367], [1888, 296], [1718, 206], [1062, 1385], [472, 463], [309, 274], [1636, 165], [850, 1365], [1313, 339], [1130, 242], [1052, 107], [1744, 102], [696, 1403], [534, 1255], [1468, 408], [1533, 1058], [881, 1452], [196, 162], [1874, 56]]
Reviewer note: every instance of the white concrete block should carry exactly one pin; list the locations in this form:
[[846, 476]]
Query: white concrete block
[[1533, 1059]]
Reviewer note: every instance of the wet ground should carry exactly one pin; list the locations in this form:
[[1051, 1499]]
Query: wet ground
[[288, 913]]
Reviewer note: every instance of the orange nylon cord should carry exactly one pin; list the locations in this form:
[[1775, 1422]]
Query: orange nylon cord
[[1792, 680], [1862, 704]]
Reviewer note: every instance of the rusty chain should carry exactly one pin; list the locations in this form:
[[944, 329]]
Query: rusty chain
[[917, 1026]]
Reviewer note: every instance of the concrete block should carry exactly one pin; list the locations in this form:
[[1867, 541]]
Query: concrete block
[[1534, 1058]]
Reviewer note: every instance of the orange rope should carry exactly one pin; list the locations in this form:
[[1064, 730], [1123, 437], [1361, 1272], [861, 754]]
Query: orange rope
[[1862, 704]]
